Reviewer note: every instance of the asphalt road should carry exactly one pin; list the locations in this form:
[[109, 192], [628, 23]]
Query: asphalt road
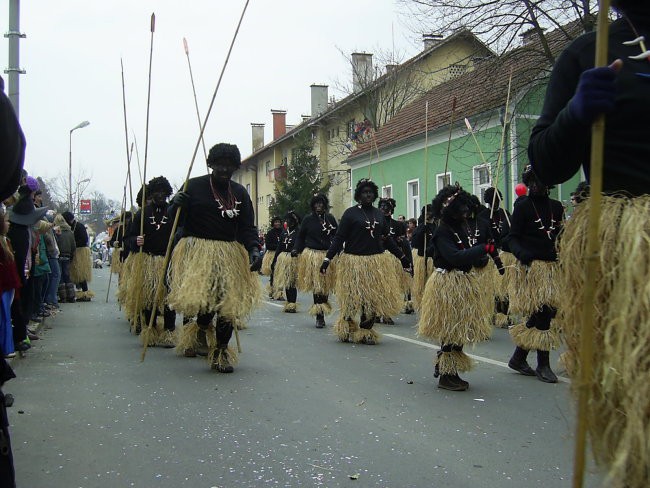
[[301, 409]]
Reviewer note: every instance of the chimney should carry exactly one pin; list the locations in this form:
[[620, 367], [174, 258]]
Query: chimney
[[279, 123], [287, 128], [391, 67], [258, 136], [528, 37], [431, 40], [362, 74], [318, 99]]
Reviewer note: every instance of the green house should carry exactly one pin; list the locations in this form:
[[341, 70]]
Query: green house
[[473, 129]]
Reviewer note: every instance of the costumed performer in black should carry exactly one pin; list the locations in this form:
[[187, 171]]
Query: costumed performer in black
[[497, 220], [156, 228], [271, 240], [397, 232], [364, 287], [81, 264], [116, 242], [536, 222], [422, 236], [619, 399], [211, 274], [455, 308], [314, 239], [126, 282], [285, 265]]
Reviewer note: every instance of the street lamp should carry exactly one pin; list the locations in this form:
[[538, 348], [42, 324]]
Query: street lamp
[[81, 125]]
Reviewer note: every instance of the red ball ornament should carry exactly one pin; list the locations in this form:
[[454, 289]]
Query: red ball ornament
[[521, 189]]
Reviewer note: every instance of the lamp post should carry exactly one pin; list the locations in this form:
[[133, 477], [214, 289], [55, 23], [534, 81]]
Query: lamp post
[[81, 125]]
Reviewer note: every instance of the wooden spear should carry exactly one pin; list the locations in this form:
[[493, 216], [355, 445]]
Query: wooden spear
[[592, 259], [159, 290]]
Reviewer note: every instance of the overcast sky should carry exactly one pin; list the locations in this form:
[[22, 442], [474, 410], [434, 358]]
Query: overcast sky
[[72, 56]]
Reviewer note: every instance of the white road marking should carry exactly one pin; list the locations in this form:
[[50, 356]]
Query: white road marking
[[274, 304], [477, 358]]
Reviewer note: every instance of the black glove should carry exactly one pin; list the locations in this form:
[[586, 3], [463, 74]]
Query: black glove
[[294, 253], [406, 263], [595, 94], [181, 199], [255, 259], [323, 267]]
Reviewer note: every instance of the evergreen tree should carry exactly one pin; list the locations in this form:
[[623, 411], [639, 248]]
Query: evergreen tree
[[302, 181]]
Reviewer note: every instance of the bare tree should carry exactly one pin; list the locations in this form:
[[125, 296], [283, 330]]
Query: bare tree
[[59, 190], [503, 24]]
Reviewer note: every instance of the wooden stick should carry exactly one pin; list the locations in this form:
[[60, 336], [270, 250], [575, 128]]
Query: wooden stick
[[451, 127], [196, 104], [501, 146], [426, 180], [126, 135], [159, 289], [592, 259], [120, 225]]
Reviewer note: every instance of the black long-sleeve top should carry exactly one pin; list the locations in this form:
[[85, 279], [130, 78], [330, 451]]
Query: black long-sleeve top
[[397, 232], [207, 218], [80, 234], [498, 226], [316, 232], [536, 222], [453, 249], [418, 239], [559, 143], [287, 240], [157, 229], [272, 238], [364, 232]]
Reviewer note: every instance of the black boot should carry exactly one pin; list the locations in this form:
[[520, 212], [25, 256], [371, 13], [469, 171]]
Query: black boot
[[448, 382], [544, 372], [436, 369], [320, 321], [367, 323], [518, 362], [460, 381]]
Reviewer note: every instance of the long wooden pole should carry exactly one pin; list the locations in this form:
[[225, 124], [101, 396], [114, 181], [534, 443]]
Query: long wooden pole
[[120, 225], [159, 289], [451, 127], [196, 103], [592, 259], [501, 146], [426, 180]]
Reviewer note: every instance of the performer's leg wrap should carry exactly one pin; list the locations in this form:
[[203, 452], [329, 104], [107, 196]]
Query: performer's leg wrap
[[223, 358], [292, 295], [345, 328], [453, 360], [366, 334], [537, 333], [149, 335], [320, 306]]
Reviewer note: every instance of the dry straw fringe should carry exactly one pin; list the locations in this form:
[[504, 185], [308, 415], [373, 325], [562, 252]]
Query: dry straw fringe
[[320, 309], [290, 307], [310, 279], [267, 260], [187, 337], [81, 266], [455, 309], [212, 276], [151, 336], [146, 270], [286, 271], [619, 391], [116, 262], [534, 286], [221, 359], [501, 320], [403, 279], [531, 338], [502, 287], [367, 284], [362, 335], [452, 362], [420, 278], [124, 279], [344, 328]]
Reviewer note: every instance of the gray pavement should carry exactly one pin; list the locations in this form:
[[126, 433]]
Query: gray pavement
[[301, 409]]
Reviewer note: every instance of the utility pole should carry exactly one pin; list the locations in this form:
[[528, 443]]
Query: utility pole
[[13, 70]]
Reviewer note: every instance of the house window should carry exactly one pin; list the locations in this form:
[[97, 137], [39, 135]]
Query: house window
[[267, 167], [387, 191], [442, 180], [481, 179], [456, 70], [269, 200], [350, 128], [248, 188], [413, 199]]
